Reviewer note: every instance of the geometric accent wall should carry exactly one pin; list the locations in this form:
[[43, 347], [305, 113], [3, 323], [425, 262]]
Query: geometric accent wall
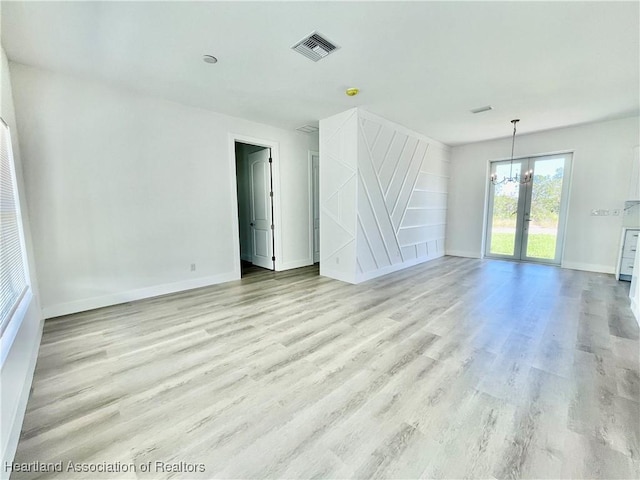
[[338, 165], [383, 196], [402, 197]]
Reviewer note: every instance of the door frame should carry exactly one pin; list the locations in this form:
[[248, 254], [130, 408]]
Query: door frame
[[565, 205], [275, 177], [310, 155]]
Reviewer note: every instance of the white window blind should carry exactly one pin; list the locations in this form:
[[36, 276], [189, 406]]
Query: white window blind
[[13, 278]]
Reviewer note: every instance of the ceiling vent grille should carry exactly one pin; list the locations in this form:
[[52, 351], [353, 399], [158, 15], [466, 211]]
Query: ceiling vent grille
[[307, 129], [315, 47]]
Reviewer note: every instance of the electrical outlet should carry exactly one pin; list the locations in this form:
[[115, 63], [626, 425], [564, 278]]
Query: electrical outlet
[[599, 213], [193, 267]]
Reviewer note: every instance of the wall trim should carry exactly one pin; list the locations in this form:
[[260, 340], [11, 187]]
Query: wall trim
[[589, 267], [363, 277], [133, 295], [462, 253], [401, 128], [336, 275]]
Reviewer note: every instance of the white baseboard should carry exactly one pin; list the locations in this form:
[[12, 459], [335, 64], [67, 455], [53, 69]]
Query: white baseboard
[[363, 277], [462, 253], [295, 264], [589, 267], [336, 275], [139, 294]]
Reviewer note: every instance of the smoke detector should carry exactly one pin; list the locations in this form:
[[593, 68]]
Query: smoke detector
[[315, 47]]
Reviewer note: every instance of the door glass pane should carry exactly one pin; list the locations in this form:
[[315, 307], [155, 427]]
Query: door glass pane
[[544, 214], [505, 211]]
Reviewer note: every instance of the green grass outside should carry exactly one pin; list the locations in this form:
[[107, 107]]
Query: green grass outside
[[540, 245]]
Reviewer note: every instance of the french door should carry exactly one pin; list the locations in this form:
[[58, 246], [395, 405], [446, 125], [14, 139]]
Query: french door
[[527, 217]]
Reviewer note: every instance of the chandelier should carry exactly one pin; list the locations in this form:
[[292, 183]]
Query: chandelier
[[528, 175]]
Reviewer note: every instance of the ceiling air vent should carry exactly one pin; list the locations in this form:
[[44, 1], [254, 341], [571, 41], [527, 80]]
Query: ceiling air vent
[[314, 47], [307, 129]]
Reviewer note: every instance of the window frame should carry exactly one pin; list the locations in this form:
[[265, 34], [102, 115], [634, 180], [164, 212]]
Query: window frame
[[17, 312]]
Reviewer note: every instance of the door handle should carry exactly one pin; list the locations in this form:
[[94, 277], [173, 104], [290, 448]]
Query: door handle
[[251, 224]]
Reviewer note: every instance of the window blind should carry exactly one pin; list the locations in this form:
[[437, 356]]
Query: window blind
[[13, 280]]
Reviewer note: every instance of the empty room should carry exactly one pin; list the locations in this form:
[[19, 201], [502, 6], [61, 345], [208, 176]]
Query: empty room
[[319, 239]]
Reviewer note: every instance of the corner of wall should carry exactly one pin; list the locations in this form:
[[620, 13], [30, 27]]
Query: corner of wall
[[338, 193]]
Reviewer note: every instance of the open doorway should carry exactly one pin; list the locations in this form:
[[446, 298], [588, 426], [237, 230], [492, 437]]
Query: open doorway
[[254, 183]]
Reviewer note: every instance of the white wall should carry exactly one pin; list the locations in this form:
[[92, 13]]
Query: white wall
[[126, 191], [383, 196], [603, 154], [20, 361]]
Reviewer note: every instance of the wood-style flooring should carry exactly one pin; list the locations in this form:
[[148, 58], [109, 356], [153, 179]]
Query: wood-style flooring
[[457, 368]]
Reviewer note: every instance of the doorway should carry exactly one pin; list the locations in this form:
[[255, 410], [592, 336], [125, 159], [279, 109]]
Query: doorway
[[526, 219], [254, 183]]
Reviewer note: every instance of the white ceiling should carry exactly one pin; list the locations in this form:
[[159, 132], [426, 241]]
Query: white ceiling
[[421, 64]]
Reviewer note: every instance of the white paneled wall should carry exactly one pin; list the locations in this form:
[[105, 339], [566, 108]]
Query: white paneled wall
[[383, 196], [338, 164], [402, 197]]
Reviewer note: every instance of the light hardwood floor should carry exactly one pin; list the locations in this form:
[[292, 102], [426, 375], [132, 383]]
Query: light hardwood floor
[[456, 368]]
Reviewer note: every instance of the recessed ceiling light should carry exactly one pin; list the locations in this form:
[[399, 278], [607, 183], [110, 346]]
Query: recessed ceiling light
[[209, 59], [352, 92]]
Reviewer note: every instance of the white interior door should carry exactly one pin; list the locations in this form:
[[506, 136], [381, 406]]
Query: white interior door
[[260, 206], [315, 165]]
